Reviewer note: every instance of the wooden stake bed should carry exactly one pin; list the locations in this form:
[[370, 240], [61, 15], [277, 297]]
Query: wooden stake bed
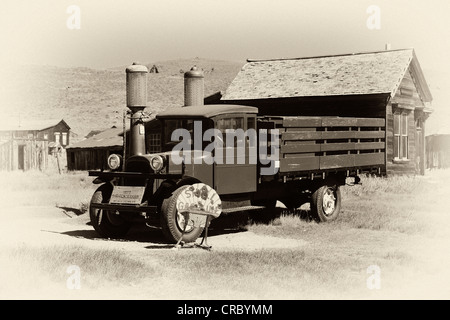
[[329, 143]]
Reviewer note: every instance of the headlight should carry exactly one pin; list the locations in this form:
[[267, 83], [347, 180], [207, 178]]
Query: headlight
[[157, 163], [114, 161]]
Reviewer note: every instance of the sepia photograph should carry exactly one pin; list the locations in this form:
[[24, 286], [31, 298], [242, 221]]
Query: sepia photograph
[[224, 155]]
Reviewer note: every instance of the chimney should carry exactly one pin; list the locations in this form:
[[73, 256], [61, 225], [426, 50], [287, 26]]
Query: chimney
[[136, 84], [387, 47], [193, 87]]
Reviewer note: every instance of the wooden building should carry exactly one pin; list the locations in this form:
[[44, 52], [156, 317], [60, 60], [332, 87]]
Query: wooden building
[[389, 85], [93, 152], [438, 151], [27, 145]]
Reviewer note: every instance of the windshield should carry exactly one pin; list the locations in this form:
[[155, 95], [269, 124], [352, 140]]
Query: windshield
[[172, 137]]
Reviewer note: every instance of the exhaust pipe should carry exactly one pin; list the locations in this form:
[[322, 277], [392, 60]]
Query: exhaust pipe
[[136, 84], [194, 87]]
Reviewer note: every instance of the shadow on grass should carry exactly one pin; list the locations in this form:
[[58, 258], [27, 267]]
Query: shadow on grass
[[273, 216], [137, 233], [229, 223]]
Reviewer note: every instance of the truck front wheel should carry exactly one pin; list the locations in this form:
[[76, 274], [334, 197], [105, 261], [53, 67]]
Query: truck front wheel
[[326, 203], [173, 223], [107, 223]]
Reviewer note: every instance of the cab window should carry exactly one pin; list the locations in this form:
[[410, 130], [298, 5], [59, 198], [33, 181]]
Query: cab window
[[230, 123]]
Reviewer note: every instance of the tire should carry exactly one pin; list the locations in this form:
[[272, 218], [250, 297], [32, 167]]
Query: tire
[[106, 223], [326, 203], [172, 222]]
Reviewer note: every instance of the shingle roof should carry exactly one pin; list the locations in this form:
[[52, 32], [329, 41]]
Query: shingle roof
[[30, 125], [112, 137], [353, 74]]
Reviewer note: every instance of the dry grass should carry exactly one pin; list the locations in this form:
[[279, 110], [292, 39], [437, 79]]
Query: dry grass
[[36, 188], [391, 223]]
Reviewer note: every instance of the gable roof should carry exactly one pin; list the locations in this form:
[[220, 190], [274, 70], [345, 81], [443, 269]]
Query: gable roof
[[112, 137], [351, 74], [31, 125]]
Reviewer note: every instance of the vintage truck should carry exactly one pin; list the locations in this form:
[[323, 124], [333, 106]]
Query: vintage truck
[[291, 159]]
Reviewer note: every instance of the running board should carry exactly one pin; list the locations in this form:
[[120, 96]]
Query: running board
[[245, 208]]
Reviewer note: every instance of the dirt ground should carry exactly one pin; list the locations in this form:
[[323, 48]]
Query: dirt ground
[[423, 271], [49, 225]]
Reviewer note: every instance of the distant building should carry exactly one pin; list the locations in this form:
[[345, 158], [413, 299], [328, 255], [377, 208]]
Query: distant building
[[27, 145], [93, 152], [438, 151], [385, 84]]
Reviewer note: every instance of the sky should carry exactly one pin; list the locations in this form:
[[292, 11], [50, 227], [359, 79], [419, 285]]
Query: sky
[[104, 34], [114, 33]]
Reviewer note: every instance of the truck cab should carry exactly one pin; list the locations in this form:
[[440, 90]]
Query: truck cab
[[225, 165], [199, 145]]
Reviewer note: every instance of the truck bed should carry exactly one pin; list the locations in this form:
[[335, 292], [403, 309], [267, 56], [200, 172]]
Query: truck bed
[[312, 144]]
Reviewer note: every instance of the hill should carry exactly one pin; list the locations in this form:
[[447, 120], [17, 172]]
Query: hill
[[92, 99]]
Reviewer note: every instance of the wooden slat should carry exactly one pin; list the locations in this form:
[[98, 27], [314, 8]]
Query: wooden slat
[[299, 155], [314, 122], [305, 122], [300, 148], [318, 135], [371, 122], [339, 122], [305, 135], [369, 159], [353, 122], [369, 134], [337, 161], [369, 145], [298, 129], [339, 135], [299, 164], [337, 146]]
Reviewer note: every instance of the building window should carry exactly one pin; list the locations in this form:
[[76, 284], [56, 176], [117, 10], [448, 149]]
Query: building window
[[57, 134], [401, 136], [154, 143], [64, 138], [45, 136]]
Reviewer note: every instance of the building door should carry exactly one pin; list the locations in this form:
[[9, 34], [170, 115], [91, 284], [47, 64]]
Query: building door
[[420, 148], [21, 157]]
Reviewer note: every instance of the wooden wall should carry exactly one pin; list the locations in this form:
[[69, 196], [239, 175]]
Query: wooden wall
[[406, 99], [24, 154], [371, 105], [61, 128], [438, 151]]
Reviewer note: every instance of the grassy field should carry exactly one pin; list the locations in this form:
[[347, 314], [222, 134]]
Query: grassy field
[[400, 225]]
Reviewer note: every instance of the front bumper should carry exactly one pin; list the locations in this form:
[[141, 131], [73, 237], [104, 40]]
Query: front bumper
[[106, 176], [125, 207], [109, 175]]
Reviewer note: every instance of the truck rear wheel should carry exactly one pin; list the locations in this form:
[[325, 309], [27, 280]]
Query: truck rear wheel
[[107, 223], [326, 203], [172, 222]]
